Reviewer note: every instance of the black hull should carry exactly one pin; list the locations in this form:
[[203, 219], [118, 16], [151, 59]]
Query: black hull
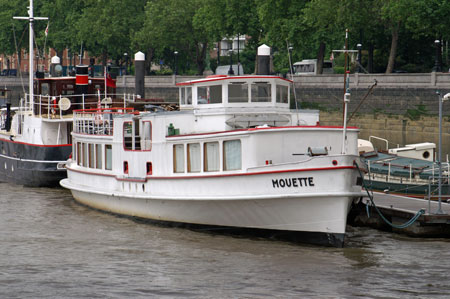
[[31, 165]]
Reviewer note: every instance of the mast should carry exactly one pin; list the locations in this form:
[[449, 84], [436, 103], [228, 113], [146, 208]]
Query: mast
[[31, 19]]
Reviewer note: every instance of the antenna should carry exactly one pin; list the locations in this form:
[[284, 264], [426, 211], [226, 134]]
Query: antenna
[[31, 19]]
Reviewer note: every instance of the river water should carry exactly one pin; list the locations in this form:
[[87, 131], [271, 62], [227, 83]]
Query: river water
[[52, 247]]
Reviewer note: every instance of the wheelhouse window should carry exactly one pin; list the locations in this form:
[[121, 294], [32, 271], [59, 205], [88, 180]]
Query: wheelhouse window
[[282, 94], [85, 155], [211, 156], [193, 157], [261, 92], [238, 92], [209, 94], [108, 157], [232, 155], [186, 95], [178, 158]]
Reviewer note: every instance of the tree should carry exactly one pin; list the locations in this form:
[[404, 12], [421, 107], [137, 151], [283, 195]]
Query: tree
[[169, 26]]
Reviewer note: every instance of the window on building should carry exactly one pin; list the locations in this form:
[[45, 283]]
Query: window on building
[[232, 155], [209, 94], [238, 92], [108, 157], [211, 156], [282, 94], [261, 92], [178, 158], [125, 167], [193, 157]]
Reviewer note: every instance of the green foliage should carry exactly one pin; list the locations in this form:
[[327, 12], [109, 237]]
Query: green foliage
[[402, 32], [415, 114]]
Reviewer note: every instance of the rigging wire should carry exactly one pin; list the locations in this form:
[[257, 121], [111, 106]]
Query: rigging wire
[[17, 52]]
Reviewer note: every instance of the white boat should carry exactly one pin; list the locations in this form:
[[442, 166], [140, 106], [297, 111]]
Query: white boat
[[36, 136], [234, 156]]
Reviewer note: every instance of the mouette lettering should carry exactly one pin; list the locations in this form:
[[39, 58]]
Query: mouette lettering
[[293, 182]]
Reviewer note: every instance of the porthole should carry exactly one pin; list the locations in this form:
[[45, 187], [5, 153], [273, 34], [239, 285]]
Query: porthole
[[426, 154]]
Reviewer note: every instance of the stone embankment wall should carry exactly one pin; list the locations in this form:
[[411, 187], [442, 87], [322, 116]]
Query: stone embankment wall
[[402, 108]]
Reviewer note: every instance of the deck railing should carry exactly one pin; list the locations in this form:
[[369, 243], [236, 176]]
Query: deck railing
[[97, 121], [58, 107]]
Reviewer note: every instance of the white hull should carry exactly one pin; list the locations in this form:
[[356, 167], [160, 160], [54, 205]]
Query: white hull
[[255, 201]]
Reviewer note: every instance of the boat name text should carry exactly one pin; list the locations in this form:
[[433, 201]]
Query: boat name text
[[293, 182]]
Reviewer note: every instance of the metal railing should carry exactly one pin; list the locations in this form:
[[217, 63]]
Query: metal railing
[[97, 121]]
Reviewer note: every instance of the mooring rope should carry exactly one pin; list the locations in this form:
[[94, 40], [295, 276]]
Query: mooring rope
[[401, 226]]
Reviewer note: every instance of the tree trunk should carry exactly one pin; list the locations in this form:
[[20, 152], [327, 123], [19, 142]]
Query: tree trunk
[[201, 56], [393, 52], [320, 57], [148, 60]]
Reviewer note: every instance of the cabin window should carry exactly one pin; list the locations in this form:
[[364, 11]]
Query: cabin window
[[85, 155], [186, 95], [209, 94], [282, 94], [232, 155], [146, 139], [91, 155], [237, 92], [108, 157], [211, 156], [193, 157], [131, 135], [178, 158], [79, 153], [125, 167], [98, 156], [261, 92]]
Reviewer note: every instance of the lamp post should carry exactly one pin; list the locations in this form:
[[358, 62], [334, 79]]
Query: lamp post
[[126, 63], [441, 100], [176, 62], [291, 67], [437, 64], [230, 71], [359, 47]]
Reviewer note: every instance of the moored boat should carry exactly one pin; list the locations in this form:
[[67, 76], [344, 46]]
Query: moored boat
[[36, 136], [409, 170], [233, 156]]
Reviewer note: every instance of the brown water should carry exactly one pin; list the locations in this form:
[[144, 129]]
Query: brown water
[[51, 247]]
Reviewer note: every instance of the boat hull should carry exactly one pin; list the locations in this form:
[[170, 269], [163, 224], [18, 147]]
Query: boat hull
[[407, 189], [315, 215], [32, 165]]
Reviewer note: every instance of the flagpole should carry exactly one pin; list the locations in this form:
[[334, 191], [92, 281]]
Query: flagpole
[[106, 85]]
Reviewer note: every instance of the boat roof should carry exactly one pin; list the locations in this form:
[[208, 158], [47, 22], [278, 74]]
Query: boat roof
[[215, 78]]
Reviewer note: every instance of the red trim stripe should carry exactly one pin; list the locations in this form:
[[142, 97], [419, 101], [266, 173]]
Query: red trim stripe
[[38, 145], [208, 176]]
